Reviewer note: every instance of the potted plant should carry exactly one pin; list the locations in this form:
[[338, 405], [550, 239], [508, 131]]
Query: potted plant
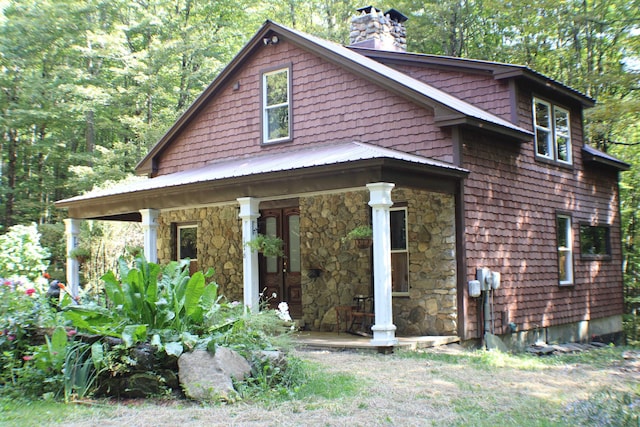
[[81, 254], [268, 246], [362, 235]]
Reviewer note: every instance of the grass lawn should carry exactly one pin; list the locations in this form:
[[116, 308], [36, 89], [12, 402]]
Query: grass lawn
[[442, 387]]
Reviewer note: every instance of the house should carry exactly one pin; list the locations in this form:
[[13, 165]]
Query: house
[[465, 169]]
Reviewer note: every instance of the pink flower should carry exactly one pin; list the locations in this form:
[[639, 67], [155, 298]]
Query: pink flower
[[11, 337], [30, 291], [7, 283], [71, 332], [27, 358]]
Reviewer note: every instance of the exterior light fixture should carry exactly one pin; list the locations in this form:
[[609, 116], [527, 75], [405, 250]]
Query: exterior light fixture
[[271, 40]]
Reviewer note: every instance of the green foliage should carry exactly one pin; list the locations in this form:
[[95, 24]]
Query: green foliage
[[360, 232], [267, 245], [21, 254]]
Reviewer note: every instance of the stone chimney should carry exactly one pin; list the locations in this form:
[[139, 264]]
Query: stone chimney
[[376, 30]]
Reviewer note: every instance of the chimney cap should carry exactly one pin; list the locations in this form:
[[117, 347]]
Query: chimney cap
[[367, 9], [396, 16]]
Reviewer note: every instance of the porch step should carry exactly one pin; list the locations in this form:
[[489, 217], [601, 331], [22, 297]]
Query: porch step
[[344, 341]]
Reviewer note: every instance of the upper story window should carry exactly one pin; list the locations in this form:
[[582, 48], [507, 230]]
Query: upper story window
[[553, 134], [276, 106]]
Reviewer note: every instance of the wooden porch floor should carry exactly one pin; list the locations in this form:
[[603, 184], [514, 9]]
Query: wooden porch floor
[[347, 341]]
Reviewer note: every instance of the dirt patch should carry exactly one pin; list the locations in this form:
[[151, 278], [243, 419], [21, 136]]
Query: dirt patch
[[395, 390]]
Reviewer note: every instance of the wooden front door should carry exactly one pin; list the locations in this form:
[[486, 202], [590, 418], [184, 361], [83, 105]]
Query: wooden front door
[[280, 276]]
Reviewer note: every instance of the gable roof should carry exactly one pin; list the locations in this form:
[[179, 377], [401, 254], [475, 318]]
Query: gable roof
[[448, 110], [168, 191], [499, 70]]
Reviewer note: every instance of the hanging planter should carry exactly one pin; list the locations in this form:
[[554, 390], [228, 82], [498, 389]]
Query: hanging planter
[[362, 235], [81, 254], [363, 243], [268, 246]]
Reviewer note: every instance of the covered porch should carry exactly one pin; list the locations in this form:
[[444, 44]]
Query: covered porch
[[236, 188]]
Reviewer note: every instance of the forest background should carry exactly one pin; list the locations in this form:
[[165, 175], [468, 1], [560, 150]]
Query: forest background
[[88, 86]]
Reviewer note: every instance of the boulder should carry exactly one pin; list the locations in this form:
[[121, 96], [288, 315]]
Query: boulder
[[205, 376]]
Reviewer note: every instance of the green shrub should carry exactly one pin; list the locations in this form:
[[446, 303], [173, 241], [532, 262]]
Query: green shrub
[[21, 254]]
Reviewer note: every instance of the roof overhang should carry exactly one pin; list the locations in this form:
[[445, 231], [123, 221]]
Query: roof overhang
[[594, 156], [307, 170]]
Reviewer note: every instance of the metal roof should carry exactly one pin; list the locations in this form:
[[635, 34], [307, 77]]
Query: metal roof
[[597, 156], [405, 80], [307, 157]]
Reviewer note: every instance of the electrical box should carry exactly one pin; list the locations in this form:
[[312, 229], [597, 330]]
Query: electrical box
[[495, 279], [483, 275], [474, 288]]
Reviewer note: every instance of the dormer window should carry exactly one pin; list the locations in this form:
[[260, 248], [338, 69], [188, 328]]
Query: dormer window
[[276, 106], [553, 134]]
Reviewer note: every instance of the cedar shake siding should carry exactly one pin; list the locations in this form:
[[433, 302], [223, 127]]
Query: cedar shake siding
[[329, 104], [511, 201], [479, 89]]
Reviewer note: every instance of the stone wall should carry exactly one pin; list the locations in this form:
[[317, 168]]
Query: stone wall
[[219, 243], [429, 308]]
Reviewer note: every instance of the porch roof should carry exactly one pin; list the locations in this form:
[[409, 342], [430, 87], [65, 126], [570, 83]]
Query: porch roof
[[313, 168]]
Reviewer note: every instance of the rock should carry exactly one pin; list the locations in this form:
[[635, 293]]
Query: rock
[[204, 376]]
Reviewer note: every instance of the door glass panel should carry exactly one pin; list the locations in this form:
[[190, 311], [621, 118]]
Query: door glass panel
[[271, 229], [294, 243]]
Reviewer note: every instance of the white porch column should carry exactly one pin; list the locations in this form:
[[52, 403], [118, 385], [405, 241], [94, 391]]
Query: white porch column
[[150, 228], [249, 214], [384, 331], [72, 230]]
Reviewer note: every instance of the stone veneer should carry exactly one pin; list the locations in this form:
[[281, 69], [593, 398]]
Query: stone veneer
[[345, 271], [219, 243], [429, 308]]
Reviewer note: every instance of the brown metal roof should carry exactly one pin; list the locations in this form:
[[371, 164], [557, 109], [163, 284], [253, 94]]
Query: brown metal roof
[[242, 174], [499, 70], [592, 155]]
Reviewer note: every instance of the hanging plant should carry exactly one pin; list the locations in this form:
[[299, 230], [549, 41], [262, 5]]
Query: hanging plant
[[268, 246], [81, 254], [362, 235]]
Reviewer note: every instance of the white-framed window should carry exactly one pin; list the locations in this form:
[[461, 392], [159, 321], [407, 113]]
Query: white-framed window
[[552, 132], [276, 106], [399, 251], [565, 249], [187, 242]]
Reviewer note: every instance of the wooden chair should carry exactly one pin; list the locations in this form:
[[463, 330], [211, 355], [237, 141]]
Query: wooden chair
[[343, 315], [362, 317]]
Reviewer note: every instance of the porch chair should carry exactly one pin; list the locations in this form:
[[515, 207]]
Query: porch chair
[[343, 315], [362, 317]]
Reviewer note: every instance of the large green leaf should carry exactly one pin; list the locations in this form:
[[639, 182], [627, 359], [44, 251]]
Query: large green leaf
[[173, 349], [195, 289], [132, 334]]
